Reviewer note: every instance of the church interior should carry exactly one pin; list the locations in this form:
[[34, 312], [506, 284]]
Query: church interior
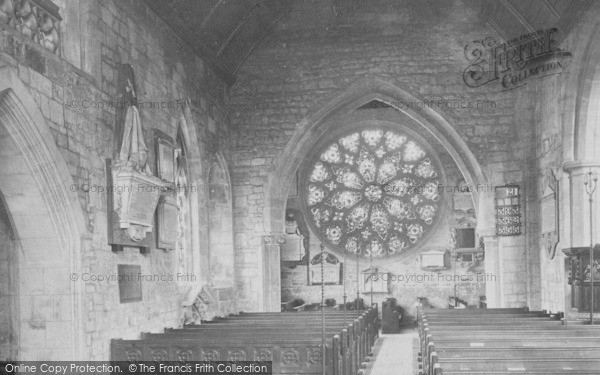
[[329, 186]]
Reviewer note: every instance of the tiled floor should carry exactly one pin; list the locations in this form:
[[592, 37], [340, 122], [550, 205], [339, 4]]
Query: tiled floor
[[394, 354]]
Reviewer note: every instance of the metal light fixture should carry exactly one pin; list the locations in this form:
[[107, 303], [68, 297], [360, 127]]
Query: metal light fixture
[[591, 181]]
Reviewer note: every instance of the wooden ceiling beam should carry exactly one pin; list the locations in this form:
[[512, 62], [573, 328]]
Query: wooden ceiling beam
[[237, 28], [258, 40], [494, 25], [517, 15], [211, 13], [551, 9], [200, 49]]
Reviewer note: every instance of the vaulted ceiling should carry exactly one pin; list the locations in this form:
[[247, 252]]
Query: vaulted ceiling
[[225, 32]]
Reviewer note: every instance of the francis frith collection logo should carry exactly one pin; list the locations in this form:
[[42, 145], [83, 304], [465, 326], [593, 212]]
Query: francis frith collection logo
[[514, 63]]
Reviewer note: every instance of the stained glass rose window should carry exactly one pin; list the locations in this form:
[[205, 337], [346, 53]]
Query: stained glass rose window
[[372, 191]]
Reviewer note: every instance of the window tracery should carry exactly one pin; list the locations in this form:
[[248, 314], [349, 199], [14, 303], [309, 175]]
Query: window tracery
[[373, 191]]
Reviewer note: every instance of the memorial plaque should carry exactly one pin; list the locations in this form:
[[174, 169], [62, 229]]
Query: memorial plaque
[[165, 157], [292, 249], [548, 212], [508, 210], [332, 274], [167, 221], [465, 238], [133, 190], [130, 282], [433, 260], [123, 189], [463, 202], [332, 270], [140, 199], [375, 280], [166, 162]]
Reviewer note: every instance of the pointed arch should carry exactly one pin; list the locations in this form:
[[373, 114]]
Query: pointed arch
[[220, 208], [185, 131], [187, 126], [343, 102], [584, 130], [48, 219], [218, 162], [581, 133]]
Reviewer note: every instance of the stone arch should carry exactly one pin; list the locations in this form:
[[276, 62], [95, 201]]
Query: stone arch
[[345, 101], [585, 130], [49, 223], [9, 291], [193, 152], [220, 208], [581, 139]]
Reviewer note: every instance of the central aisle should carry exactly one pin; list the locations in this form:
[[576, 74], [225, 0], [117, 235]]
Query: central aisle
[[395, 354]]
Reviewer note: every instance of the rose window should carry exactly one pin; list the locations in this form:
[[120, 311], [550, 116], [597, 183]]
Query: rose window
[[374, 192]]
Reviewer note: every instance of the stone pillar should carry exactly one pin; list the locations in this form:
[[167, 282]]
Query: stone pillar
[[493, 270], [272, 272], [486, 229], [579, 206]]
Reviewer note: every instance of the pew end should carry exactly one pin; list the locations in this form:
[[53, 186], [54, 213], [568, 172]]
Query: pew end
[[116, 349]]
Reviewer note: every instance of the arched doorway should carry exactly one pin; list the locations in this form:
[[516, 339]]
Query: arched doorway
[[49, 225]]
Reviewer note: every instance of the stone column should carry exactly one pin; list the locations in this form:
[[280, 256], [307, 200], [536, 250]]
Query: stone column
[[579, 206], [486, 229], [272, 272], [493, 270]]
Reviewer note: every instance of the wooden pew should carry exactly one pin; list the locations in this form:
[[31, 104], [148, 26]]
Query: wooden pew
[[289, 356], [505, 342], [291, 340], [367, 323]]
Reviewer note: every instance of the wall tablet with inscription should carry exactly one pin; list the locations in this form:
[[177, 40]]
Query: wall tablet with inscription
[[375, 280], [167, 222], [130, 282], [508, 210], [332, 270], [165, 157]]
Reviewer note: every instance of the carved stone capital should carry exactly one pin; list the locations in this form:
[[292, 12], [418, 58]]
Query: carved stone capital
[[274, 239], [580, 166]]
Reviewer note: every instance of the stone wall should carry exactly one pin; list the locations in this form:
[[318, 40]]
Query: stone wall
[[315, 53], [79, 107], [556, 113], [407, 280]]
